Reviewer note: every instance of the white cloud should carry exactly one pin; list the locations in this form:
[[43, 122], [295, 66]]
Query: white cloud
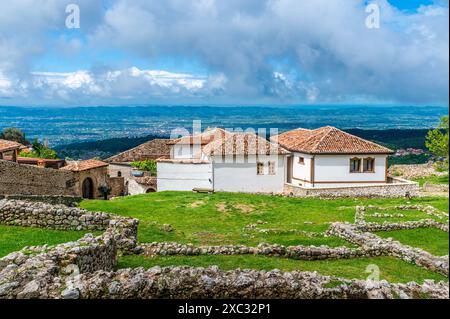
[[125, 84], [326, 51]]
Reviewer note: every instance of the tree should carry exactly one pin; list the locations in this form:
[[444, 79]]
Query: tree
[[40, 151], [437, 140], [15, 135]]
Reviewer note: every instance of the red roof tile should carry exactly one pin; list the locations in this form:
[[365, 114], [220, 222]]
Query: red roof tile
[[243, 144], [327, 140], [6, 146], [151, 150], [84, 165]]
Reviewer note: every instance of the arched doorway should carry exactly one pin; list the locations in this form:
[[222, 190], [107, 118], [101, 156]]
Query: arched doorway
[[88, 188]]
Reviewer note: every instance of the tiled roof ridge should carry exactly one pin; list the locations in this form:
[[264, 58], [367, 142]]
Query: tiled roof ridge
[[135, 148]]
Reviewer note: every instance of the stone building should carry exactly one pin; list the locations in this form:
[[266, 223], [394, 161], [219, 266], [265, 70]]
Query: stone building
[[92, 175], [120, 165], [10, 149]]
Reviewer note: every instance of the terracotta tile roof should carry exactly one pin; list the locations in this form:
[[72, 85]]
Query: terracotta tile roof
[[243, 144], [6, 146], [147, 180], [327, 140], [84, 165], [151, 150], [204, 138]]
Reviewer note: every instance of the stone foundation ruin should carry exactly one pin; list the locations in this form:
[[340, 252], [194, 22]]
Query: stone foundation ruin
[[87, 268]]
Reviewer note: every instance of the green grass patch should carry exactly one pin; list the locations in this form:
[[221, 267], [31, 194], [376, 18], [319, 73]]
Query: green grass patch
[[14, 238], [433, 179], [391, 269], [432, 240], [220, 218]]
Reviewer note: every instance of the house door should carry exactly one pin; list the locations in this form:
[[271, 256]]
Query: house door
[[88, 188], [289, 170]]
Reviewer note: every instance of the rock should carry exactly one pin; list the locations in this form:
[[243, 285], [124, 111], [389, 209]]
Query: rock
[[30, 291], [167, 228], [70, 293]]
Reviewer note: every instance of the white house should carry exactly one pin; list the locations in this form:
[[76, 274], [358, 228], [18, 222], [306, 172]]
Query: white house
[[329, 158], [223, 161]]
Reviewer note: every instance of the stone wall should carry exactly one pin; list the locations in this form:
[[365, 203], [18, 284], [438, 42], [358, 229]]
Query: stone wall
[[87, 268], [39, 272], [32, 180], [414, 170], [71, 201], [436, 188], [117, 185], [38, 214], [388, 247], [390, 190], [294, 252]]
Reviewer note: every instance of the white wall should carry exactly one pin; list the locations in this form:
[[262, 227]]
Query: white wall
[[336, 168], [134, 188], [240, 175], [185, 151], [301, 173], [184, 177]]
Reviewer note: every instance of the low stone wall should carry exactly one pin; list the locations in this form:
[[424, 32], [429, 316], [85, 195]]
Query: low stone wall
[[213, 283], [414, 170], [294, 252], [39, 272], [390, 190], [363, 225], [71, 201], [84, 270], [353, 234], [61, 217], [37, 214], [434, 188]]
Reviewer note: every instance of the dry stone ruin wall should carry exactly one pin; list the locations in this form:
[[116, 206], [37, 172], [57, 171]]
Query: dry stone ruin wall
[[87, 268]]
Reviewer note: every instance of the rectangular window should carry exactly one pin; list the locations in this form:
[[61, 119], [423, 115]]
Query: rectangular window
[[260, 168], [301, 160], [355, 165], [369, 165], [272, 168]]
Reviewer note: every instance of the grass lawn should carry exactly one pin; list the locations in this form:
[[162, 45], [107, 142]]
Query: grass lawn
[[220, 218], [432, 180], [13, 238], [432, 240], [391, 269]]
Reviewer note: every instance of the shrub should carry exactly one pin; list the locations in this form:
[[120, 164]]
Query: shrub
[[148, 166]]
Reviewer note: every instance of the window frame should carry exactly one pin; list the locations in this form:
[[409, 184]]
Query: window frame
[[351, 166], [272, 168], [301, 160], [259, 165], [365, 160]]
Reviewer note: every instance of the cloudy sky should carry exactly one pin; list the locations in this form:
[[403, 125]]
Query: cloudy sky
[[223, 52]]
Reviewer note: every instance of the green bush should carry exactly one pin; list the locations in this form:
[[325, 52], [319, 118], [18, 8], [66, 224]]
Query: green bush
[[40, 151], [147, 166]]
